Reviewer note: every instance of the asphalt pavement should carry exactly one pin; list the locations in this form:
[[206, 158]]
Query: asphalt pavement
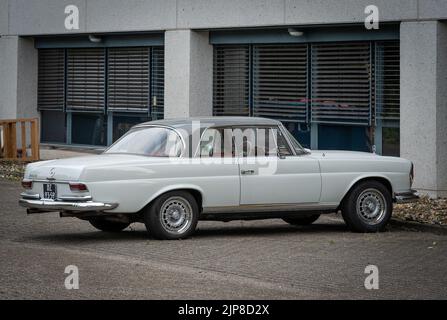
[[236, 260]]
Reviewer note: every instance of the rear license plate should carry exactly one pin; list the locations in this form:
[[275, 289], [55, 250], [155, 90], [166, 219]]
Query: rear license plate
[[49, 191]]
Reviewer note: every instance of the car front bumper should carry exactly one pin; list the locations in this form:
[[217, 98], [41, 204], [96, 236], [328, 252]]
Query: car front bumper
[[406, 197], [74, 204]]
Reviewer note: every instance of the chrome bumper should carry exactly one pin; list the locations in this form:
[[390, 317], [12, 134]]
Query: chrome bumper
[[406, 197], [35, 205]]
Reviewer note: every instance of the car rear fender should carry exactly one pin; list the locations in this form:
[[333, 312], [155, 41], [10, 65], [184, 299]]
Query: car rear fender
[[196, 190]]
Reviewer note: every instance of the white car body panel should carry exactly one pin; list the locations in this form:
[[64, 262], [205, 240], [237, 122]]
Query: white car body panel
[[134, 181], [319, 179], [294, 180]]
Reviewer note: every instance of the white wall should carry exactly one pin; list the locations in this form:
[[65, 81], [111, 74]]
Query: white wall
[[47, 16], [423, 104], [188, 74]]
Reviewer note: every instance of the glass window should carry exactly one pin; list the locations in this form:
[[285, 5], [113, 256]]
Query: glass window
[[391, 142], [260, 142], [335, 137], [123, 123], [217, 143], [89, 129], [53, 126], [300, 132], [283, 146], [295, 144], [149, 141], [266, 142]]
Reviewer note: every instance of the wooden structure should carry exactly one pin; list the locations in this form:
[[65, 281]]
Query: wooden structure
[[10, 149]]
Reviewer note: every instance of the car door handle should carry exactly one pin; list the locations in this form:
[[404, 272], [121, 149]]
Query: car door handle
[[247, 172]]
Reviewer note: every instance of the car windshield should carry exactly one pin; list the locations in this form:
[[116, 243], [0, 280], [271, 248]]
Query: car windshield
[[149, 141]]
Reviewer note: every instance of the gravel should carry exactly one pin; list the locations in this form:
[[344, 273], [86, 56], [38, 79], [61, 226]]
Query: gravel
[[11, 170], [426, 210]]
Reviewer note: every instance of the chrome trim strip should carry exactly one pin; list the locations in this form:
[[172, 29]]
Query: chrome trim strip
[[51, 181], [270, 207], [30, 196], [49, 205], [75, 198], [406, 197]]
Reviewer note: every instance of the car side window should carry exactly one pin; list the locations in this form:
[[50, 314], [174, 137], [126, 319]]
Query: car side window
[[216, 143], [265, 142], [260, 142]]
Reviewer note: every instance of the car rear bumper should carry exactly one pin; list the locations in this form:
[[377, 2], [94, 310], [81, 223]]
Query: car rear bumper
[[76, 204], [406, 197]]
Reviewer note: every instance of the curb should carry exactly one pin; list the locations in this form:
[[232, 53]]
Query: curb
[[416, 226]]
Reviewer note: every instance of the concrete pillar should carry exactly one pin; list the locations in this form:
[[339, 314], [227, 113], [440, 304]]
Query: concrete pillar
[[8, 79], [188, 74], [18, 81], [423, 103]]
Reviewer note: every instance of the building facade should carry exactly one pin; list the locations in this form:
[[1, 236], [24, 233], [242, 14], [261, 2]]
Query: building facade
[[90, 69]]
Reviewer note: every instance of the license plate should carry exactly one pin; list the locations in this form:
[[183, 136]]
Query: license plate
[[49, 191]]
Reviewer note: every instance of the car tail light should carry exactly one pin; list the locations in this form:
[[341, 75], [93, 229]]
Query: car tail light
[[412, 174], [78, 187], [27, 184]]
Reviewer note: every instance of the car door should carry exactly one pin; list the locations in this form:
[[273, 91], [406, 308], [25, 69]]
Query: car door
[[218, 169], [274, 173]]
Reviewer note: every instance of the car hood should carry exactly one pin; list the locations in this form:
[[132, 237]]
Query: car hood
[[71, 169]]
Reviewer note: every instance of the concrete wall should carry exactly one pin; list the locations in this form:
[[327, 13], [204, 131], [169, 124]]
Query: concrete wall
[[441, 112], [34, 17], [423, 104], [27, 69], [188, 74], [8, 78], [18, 80], [4, 13]]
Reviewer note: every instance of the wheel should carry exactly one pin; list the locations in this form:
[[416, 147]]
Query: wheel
[[368, 207], [173, 215], [302, 221], [108, 226]]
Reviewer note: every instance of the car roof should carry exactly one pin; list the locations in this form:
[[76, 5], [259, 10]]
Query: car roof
[[206, 122]]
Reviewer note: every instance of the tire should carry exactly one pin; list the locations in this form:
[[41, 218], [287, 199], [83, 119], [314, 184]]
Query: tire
[[368, 207], [108, 226], [302, 221], [172, 216]]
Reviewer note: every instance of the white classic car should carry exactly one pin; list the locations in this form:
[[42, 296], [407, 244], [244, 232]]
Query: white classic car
[[169, 174]]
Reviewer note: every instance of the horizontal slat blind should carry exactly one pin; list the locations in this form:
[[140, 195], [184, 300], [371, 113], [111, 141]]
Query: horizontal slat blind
[[51, 86], [341, 83], [85, 79], [280, 82], [158, 80], [128, 79], [387, 80], [231, 81]]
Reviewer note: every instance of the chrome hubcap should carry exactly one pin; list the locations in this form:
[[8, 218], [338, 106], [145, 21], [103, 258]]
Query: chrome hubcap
[[371, 206], [175, 215]]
